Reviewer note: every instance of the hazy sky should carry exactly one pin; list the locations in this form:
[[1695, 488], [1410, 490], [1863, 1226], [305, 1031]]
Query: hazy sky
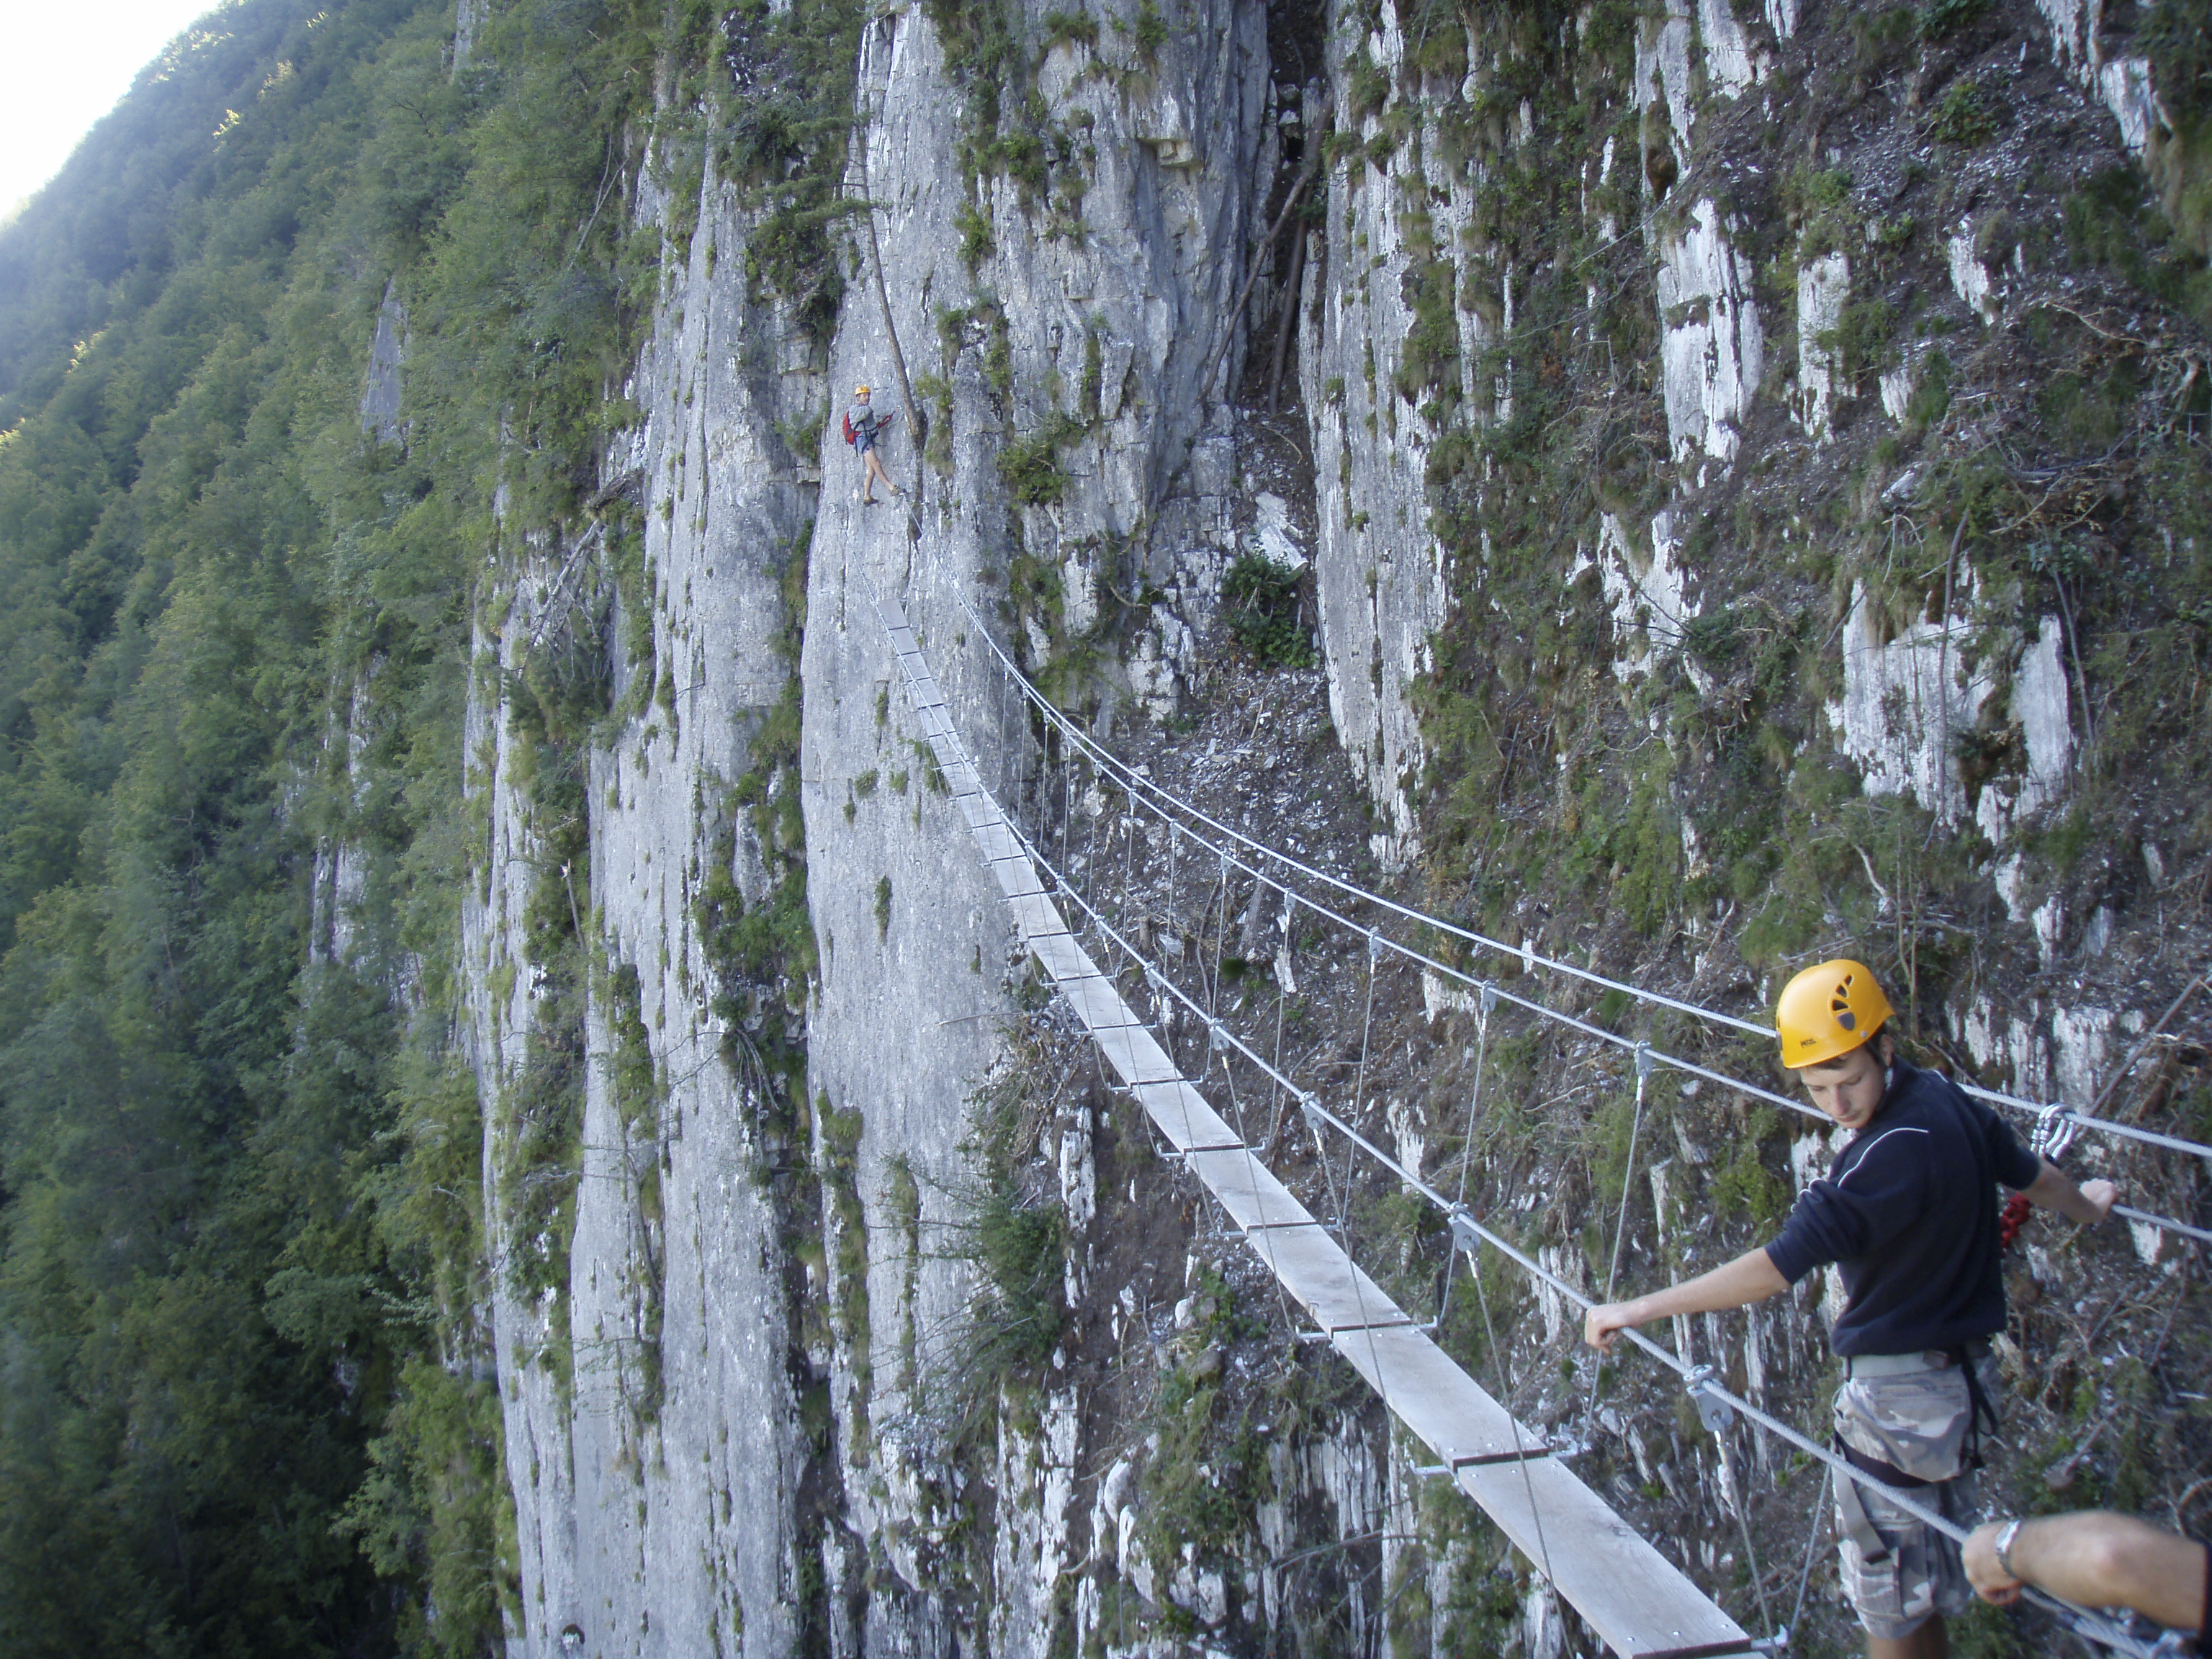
[[63, 64]]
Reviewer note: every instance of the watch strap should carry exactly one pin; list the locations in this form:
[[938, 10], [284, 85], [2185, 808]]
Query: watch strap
[[2004, 1540]]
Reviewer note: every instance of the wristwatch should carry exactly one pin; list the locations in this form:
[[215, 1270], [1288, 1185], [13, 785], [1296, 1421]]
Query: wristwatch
[[2011, 1531]]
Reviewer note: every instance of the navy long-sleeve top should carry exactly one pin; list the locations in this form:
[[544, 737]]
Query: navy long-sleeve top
[[1909, 1214]]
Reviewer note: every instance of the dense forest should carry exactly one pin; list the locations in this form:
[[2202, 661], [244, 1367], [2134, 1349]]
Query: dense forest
[[247, 1405]]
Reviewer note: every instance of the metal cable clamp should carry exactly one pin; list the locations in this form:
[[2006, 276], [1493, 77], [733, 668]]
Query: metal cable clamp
[[1464, 1233], [1705, 1387]]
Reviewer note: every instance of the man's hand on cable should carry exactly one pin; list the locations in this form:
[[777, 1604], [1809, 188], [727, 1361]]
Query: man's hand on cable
[[2094, 1558], [1602, 1326], [2088, 1203], [1752, 1277]]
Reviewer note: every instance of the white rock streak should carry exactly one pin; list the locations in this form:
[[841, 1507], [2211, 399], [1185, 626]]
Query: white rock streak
[[1823, 286], [1905, 700], [1711, 354]]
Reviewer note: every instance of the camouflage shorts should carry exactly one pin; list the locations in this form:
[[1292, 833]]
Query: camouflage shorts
[[1916, 1421]]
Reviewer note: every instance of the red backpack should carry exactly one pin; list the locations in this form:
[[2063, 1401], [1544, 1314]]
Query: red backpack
[[851, 436]]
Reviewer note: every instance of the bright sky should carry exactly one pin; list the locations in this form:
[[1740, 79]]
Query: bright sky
[[63, 65]]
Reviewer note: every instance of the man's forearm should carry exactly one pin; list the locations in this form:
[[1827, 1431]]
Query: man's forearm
[[2102, 1560], [1752, 1277], [2054, 1189]]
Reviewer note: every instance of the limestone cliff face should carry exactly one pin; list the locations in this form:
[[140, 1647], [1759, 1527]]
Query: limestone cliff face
[[1681, 146], [667, 1495], [732, 1355], [653, 1440], [1104, 333]]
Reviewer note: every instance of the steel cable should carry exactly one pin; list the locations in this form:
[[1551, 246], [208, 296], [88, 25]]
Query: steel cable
[[1673, 1062], [1163, 801], [1464, 1224]]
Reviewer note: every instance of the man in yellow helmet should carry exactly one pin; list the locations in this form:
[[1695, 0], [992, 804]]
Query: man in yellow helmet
[[1909, 1215]]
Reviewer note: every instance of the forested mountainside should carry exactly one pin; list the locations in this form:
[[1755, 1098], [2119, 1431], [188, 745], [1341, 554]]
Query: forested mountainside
[[523, 1126]]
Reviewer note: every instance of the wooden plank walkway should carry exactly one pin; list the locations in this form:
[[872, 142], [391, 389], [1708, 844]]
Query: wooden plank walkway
[[1638, 1604]]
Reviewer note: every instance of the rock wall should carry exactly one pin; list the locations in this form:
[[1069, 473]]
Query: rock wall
[[1694, 136], [735, 1412], [1106, 333], [653, 1436]]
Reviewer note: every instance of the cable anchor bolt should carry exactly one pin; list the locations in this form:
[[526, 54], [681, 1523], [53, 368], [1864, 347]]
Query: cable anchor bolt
[[1216, 1037], [1374, 946], [1645, 1065], [1489, 995], [1703, 1384]]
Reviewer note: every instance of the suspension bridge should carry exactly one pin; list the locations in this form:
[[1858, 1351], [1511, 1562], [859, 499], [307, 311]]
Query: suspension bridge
[[1638, 1602]]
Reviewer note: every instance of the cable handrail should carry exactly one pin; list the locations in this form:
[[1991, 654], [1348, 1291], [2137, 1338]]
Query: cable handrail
[[1463, 1222], [1135, 781], [1709, 1395], [1163, 800]]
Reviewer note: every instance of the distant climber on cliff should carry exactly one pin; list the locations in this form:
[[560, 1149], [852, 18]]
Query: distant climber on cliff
[[1909, 1214], [862, 423]]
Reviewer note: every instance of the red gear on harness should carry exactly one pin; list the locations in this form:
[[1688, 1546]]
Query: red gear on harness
[[2016, 1210]]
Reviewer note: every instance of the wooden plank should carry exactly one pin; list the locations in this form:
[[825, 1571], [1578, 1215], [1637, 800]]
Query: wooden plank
[[1434, 1398], [1135, 1058], [1097, 1003], [1248, 1189], [1635, 1600], [997, 841], [1184, 1115], [1324, 1281]]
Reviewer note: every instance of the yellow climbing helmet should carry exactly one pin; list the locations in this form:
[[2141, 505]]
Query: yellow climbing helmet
[[1829, 1011], [862, 390]]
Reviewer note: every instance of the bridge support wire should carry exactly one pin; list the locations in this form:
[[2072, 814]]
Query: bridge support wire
[[1620, 1224], [1705, 1387], [1702, 1384], [1165, 806], [1080, 983], [1640, 1604]]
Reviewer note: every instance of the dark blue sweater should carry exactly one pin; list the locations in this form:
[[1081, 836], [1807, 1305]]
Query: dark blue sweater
[[1910, 1214]]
